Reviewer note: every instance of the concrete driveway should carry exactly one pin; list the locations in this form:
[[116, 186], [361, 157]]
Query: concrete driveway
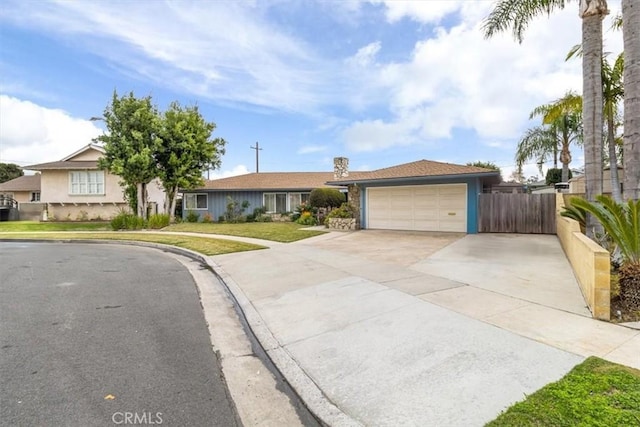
[[400, 328]]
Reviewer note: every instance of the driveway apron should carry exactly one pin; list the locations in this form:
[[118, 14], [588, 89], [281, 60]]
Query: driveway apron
[[353, 311]]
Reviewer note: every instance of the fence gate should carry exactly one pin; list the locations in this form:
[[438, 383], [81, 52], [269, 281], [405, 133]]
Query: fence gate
[[517, 213]]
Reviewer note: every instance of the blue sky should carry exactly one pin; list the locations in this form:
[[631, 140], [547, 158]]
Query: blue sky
[[379, 82]]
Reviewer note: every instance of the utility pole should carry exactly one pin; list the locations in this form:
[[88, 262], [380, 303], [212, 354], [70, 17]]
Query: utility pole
[[258, 149]]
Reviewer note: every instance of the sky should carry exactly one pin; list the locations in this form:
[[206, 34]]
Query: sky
[[379, 82]]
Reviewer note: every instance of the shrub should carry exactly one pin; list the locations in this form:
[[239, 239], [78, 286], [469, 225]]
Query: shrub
[[207, 218], [235, 211], [192, 216], [158, 221], [263, 218], [326, 198], [257, 212], [307, 218], [555, 175], [127, 221], [346, 210]]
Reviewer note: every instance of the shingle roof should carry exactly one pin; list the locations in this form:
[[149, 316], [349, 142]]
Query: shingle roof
[[71, 164], [271, 181], [310, 180], [416, 169], [22, 183]]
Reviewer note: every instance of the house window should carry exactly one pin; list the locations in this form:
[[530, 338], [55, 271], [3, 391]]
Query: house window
[[275, 202], [195, 201], [86, 182], [297, 199], [35, 196]]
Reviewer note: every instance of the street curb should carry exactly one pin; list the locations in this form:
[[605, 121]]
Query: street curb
[[301, 383]]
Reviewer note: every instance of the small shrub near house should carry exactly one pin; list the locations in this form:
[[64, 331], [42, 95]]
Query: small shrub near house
[[346, 210], [158, 221], [127, 221], [235, 211], [307, 218], [326, 198], [192, 216]]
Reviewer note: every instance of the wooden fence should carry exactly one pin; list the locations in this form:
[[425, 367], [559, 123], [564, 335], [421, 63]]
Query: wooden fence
[[517, 213]]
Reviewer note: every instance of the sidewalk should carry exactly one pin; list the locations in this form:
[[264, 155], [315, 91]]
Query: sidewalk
[[424, 342]]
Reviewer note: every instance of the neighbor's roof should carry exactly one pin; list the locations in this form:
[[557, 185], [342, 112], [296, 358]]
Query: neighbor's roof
[[22, 183], [68, 163], [420, 168], [271, 181], [77, 164]]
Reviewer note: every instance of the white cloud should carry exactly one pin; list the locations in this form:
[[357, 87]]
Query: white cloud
[[310, 149], [456, 79], [30, 133], [235, 171], [365, 56], [431, 11]]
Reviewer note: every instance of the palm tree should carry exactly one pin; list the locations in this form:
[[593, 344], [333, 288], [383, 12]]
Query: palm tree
[[613, 93], [561, 126], [630, 29], [622, 224], [516, 14]]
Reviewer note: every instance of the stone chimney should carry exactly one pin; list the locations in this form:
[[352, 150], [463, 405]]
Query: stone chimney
[[340, 168]]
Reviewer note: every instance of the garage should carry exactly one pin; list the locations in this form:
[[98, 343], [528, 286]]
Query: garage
[[418, 207]]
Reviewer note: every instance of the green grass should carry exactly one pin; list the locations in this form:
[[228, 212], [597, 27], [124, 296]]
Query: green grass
[[284, 232], [203, 245], [595, 393], [9, 226]]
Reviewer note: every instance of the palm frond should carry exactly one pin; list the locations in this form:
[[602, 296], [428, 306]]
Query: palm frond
[[516, 15]]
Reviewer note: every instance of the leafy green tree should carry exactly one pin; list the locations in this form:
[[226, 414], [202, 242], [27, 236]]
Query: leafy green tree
[[9, 171], [130, 144], [185, 151], [326, 198], [486, 165], [554, 175], [516, 15], [621, 221]]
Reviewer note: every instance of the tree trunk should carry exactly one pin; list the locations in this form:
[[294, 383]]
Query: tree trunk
[[631, 34], [565, 155], [172, 196], [613, 157], [142, 200], [592, 111]]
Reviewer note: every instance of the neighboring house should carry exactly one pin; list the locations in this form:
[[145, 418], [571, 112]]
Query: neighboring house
[[277, 192], [75, 189], [23, 189], [506, 187], [422, 195], [576, 184]]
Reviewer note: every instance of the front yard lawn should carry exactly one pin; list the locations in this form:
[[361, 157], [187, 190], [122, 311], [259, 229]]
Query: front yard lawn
[[594, 393], [283, 232], [16, 226], [203, 245]]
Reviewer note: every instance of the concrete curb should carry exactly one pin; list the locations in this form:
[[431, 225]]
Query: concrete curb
[[301, 383]]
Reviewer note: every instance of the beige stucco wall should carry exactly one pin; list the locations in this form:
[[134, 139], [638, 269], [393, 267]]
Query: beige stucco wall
[[54, 186], [18, 196], [576, 185], [90, 154], [590, 263], [84, 212]]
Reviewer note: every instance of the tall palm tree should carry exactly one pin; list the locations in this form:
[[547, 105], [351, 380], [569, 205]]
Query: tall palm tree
[[561, 126], [630, 30], [516, 14], [613, 93]]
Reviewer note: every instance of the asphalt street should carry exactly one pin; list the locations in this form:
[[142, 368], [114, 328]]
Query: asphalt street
[[95, 335]]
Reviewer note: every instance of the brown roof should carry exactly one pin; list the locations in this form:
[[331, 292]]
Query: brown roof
[[416, 169], [271, 181], [22, 183], [310, 180], [78, 164]]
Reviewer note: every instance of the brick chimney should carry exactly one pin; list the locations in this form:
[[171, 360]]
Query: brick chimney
[[340, 168]]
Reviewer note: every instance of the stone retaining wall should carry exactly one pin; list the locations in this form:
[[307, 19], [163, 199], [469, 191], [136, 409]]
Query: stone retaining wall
[[342, 224]]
